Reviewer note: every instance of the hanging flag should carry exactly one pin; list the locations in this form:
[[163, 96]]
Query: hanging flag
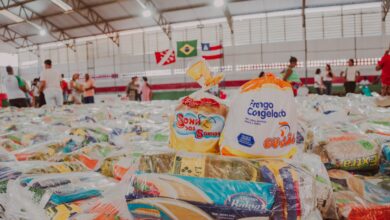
[[165, 57], [212, 52], [187, 48]]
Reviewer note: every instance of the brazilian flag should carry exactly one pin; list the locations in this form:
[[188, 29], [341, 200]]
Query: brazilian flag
[[187, 48]]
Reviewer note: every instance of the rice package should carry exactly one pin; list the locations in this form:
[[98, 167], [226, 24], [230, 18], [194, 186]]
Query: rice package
[[199, 118], [262, 120]]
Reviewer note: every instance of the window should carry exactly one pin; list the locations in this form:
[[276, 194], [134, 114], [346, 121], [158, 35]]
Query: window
[[241, 32], [276, 29]]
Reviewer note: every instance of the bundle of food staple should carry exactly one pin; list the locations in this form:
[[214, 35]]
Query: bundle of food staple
[[384, 167], [344, 146], [199, 118], [170, 184], [53, 196], [360, 197], [91, 156]]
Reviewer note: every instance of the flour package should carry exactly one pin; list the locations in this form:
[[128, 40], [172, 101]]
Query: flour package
[[262, 120], [199, 118]]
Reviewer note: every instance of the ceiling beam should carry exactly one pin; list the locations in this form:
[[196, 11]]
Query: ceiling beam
[[94, 18], [7, 4], [229, 18], [159, 18], [9, 35], [54, 31]]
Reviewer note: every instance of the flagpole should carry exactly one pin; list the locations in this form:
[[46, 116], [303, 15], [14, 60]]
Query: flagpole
[[222, 61]]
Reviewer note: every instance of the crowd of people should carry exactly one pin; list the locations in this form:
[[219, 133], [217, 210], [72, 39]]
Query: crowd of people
[[52, 89], [350, 75]]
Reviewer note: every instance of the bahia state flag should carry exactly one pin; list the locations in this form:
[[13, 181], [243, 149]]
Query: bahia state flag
[[187, 48], [165, 57], [212, 52]]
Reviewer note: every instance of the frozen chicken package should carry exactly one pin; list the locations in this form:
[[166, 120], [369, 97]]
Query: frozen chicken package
[[262, 120]]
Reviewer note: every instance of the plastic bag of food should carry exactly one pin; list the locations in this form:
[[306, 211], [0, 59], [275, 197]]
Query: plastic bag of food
[[295, 188], [262, 120], [44, 151], [91, 156], [184, 197], [119, 163], [199, 118], [350, 152], [35, 195], [85, 134], [322, 184], [139, 132], [384, 167], [197, 123], [359, 197]]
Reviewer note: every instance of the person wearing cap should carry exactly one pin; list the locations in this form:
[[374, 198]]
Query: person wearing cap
[[16, 89], [51, 85]]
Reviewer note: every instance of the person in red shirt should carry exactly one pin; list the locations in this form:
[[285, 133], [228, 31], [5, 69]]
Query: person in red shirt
[[65, 89], [384, 65]]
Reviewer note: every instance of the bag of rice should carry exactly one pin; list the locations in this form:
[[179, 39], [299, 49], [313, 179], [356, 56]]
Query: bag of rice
[[262, 121]]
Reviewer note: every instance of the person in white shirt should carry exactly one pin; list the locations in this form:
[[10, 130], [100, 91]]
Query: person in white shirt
[[350, 74], [50, 85], [16, 89], [318, 82]]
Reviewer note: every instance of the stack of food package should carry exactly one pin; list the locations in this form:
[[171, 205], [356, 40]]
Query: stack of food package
[[112, 160], [353, 148]]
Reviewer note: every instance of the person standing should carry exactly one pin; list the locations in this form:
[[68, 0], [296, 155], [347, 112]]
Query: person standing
[[384, 65], [350, 74], [290, 75], [76, 89], [16, 89], [89, 90], [146, 90], [51, 85], [132, 89], [318, 82], [64, 87], [327, 79], [138, 97], [35, 92]]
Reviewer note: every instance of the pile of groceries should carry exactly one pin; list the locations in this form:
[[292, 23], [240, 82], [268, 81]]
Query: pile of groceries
[[262, 154]]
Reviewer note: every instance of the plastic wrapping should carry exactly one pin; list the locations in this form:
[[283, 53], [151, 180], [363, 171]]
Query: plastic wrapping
[[197, 123], [81, 152], [261, 120], [359, 197], [211, 174], [40, 195]]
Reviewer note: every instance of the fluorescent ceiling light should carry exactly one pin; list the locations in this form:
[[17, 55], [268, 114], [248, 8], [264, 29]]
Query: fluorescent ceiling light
[[11, 16], [42, 32], [62, 5], [146, 13]]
